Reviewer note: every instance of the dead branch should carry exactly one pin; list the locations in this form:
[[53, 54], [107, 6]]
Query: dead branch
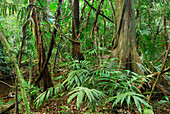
[[153, 75]]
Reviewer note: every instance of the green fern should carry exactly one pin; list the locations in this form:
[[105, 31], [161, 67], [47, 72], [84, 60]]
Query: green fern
[[128, 96], [89, 96], [46, 95], [76, 78]]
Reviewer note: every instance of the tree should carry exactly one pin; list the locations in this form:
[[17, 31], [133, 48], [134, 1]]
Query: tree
[[47, 81], [75, 31], [125, 47]]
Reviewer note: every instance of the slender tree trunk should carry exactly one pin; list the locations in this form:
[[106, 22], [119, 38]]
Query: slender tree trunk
[[47, 82], [18, 74], [165, 32], [75, 26], [126, 49], [139, 14], [75, 31]]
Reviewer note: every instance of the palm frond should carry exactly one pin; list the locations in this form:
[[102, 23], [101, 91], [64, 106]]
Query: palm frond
[[91, 96]]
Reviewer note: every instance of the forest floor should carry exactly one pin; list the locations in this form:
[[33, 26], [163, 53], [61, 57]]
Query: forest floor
[[59, 105]]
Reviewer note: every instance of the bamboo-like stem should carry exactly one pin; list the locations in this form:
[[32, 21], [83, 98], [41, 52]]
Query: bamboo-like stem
[[18, 73]]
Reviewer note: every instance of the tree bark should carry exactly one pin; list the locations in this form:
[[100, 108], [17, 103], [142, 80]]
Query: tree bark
[[47, 81], [75, 26], [126, 48], [75, 31]]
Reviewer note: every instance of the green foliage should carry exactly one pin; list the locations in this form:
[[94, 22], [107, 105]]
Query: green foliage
[[76, 77], [165, 100], [46, 95], [7, 7], [4, 68], [90, 96], [151, 33], [127, 97], [3, 104], [89, 80], [148, 111], [107, 78]]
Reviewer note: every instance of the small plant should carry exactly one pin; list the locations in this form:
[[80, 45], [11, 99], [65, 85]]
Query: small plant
[[127, 97], [148, 111], [166, 100], [1, 103], [91, 97], [49, 93]]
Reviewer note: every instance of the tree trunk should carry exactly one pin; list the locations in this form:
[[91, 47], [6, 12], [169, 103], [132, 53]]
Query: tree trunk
[[75, 31], [75, 26], [126, 49], [47, 82]]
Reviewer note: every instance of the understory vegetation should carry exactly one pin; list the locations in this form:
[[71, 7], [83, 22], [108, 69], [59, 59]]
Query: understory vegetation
[[97, 86], [55, 58]]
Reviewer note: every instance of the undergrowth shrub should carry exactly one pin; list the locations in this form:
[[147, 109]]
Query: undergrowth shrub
[[91, 85]]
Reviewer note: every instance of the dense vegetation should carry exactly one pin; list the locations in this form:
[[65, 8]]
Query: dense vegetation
[[95, 58]]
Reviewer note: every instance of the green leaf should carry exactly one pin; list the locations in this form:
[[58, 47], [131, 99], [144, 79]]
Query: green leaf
[[111, 99], [115, 102], [142, 101], [39, 100], [55, 90], [64, 108], [137, 104], [88, 95], [128, 100], [123, 98], [148, 111], [47, 95], [79, 99], [72, 96], [59, 77], [162, 101]]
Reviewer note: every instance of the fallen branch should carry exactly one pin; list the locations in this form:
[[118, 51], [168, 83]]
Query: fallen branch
[[6, 84], [153, 75]]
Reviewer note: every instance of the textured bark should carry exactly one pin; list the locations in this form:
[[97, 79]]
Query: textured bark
[[51, 43], [47, 82], [165, 31], [75, 26], [126, 49], [75, 31]]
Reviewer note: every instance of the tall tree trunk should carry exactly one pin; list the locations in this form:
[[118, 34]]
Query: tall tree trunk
[[47, 82], [75, 26], [75, 31], [126, 48]]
